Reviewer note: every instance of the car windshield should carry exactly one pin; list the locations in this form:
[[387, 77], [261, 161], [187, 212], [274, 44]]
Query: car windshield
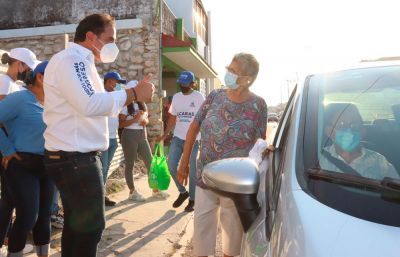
[[358, 122], [351, 142]]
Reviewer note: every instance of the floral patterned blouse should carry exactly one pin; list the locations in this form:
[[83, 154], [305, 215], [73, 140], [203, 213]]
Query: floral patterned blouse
[[229, 129]]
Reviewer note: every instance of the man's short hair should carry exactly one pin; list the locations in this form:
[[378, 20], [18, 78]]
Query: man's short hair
[[95, 23]]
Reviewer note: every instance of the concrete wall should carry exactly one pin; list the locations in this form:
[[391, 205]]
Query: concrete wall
[[34, 13], [183, 9]]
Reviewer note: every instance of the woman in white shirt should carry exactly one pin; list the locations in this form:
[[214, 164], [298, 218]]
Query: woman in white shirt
[[134, 118], [19, 61]]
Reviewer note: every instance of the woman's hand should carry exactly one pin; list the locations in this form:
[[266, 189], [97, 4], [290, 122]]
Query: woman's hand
[[269, 149], [183, 173], [7, 159], [144, 119], [144, 122]]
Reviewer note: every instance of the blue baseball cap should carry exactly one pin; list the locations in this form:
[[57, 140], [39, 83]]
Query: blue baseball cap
[[40, 68], [185, 78], [114, 75]]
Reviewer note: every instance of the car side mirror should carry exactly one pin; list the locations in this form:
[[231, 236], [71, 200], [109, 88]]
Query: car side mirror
[[238, 179]]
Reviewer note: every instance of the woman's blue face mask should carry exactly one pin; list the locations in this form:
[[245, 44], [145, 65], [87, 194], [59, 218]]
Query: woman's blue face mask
[[347, 139], [230, 80]]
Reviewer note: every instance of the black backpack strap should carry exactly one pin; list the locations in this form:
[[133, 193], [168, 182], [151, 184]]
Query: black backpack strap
[[340, 164]]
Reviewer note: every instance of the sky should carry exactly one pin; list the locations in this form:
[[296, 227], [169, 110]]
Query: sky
[[291, 38]]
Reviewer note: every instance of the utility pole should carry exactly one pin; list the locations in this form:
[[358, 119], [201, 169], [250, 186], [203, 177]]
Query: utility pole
[[288, 84]]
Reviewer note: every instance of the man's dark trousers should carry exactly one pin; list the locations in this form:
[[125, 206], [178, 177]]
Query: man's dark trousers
[[79, 179]]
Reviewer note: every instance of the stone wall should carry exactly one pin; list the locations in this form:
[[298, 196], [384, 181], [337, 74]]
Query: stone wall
[[139, 55], [34, 13], [43, 46]]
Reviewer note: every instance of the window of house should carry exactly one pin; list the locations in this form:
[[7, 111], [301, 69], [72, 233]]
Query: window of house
[[200, 21]]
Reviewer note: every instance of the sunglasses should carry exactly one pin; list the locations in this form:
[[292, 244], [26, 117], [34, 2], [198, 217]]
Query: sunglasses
[[352, 126]]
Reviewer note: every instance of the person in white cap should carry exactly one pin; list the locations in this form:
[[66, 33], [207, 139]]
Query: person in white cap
[[134, 118], [28, 185], [76, 108], [19, 61]]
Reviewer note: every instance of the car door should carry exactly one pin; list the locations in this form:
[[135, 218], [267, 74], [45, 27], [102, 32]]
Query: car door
[[275, 169]]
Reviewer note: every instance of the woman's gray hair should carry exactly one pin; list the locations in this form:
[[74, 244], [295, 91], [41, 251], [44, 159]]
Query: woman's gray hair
[[248, 65]]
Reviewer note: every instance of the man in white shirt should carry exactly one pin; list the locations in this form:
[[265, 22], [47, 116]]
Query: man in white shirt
[[76, 108], [183, 108]]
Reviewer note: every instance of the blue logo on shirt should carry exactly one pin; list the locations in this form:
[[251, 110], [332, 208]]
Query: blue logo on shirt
[[192, 104], [81, 73]]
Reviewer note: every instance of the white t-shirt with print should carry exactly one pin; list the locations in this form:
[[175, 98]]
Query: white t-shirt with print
[[129, 117], [7, 85], [185, 107]]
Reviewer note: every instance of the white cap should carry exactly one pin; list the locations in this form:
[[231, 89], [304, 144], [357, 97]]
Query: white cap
[[131, 84], [26, 56]]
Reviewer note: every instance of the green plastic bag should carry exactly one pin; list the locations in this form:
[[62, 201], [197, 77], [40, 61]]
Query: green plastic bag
[[159, 176]]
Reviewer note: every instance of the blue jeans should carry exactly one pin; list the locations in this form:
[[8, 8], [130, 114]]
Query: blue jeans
[[107, 156], [174, 156], [31, 191], [79, 179]]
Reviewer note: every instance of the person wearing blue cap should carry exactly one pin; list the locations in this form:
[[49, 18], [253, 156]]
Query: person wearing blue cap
[[184, 107], [29, 187], [112, 82]]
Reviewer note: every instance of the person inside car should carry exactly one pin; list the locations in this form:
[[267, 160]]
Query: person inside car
[[345, 130]]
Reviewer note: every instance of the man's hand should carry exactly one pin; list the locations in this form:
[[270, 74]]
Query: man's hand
[[144, 89], [7, 159], [183, 174]]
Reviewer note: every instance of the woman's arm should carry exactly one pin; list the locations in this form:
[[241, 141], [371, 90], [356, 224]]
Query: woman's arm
[[8, 111], [145, 121], [183, 169]]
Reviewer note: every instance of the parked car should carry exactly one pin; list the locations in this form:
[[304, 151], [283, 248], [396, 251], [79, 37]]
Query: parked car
[[315, 205], [272, 117]]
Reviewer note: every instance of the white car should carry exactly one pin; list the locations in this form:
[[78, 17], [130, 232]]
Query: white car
[[333, 183]]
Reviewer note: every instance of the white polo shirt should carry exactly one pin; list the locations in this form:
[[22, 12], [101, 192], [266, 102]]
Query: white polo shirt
[[76, 105]]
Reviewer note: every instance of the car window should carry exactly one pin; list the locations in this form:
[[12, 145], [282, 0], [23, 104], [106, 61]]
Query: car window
[[350, 144], [358, 122]]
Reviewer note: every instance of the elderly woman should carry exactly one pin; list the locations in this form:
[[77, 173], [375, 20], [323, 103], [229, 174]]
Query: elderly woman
[[230, 121]]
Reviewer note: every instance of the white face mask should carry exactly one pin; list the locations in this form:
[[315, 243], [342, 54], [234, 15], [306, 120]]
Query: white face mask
[[230, 80], [108, 52]]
